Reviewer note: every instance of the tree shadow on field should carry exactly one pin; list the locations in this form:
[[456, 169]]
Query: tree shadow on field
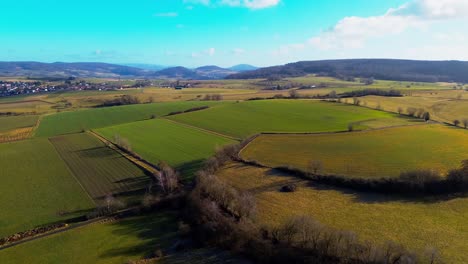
[[376, 198], [187, 171], [96, 152], [153, 231]]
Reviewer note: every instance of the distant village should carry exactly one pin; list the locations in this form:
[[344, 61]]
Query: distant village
[[18, 87]]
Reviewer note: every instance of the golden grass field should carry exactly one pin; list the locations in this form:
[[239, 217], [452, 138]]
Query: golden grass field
[[16, 134], [416, 224], [442, 109], [366, 154]]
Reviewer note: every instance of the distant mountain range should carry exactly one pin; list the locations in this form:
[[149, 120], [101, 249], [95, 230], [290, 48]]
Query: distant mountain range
[[106, 70], [386, 69]]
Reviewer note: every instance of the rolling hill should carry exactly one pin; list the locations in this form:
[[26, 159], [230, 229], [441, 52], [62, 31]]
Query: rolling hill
[[62, 69], [387, 69]]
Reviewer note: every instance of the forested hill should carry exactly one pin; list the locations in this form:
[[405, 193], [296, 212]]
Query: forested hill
[[387, 69]]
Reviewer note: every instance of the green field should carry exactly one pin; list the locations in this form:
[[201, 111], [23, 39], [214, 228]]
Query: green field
[[15, 122], [99, 169], [367, 154], [74, 122], [162, 140], [248, 118], [109, 243], [416, 224], [36, 186]]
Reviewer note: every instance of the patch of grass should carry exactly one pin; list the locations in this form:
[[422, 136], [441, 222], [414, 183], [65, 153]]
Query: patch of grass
[[162, 140], [74, 122], [367, 154], [252, 117], [98, 168], [108, 243], [15, 122], [35, 186], [441, 109], [416, 224]]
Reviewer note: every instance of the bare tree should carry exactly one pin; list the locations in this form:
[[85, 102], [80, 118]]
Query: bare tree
[[465, 123], [293, 94], [315, 166], [356, 101], [456, 122], [426, 116], [167, 178], [400, 110]]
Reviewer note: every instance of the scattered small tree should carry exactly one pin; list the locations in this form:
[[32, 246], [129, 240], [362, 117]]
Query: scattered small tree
[[167, 178], [400, 110], [465, 123], [356, 101], [350, 127], [293, 94], [426, 116], [315, 166], [456, 122]]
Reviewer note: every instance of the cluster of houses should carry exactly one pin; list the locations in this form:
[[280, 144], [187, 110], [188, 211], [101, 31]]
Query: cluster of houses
[[10, 88]]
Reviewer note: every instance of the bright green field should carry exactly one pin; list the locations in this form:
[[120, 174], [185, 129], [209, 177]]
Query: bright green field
[[74, 122], [14, 122], [252, 117], [162, 140], [368, 154], [109, 243], [99, 169], [35, 185]]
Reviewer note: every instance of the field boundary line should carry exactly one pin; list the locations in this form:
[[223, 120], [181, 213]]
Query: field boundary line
[[145, 165], [70, 170], [202, 129]]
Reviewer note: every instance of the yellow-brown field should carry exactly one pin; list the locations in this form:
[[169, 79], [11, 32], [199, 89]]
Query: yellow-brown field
[[366, 154], [16, 135], [416, 224], [442, 109]]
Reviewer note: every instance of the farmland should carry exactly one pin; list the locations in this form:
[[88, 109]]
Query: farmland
[[107, 243], [248, 118], [162, 140], [74, 122], [99, 169], [36, 187], [442, 109], [15, 122], [416, 224], [368, 154]]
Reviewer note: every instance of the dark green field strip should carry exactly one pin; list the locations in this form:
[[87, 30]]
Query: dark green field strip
[[36, 187], [75, 122], [99, 169], [14, 122]]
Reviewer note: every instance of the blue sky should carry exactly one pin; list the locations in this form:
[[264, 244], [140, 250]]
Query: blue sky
[[229, 32]]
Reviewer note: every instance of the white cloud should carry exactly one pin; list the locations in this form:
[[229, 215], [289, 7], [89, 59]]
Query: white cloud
[[211, 52], [434, 9], [354, 32], [251, 4], [169, 14], [238, 51]]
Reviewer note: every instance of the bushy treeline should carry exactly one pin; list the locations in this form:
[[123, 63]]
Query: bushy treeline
[[223, 216], [122, 100], [378, 92], [416, 182], [189, 110]]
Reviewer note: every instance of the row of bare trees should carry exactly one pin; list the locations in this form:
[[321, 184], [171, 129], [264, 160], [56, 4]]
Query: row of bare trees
[[223, 216]]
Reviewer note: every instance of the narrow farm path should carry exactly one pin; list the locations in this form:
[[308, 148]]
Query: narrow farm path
[[139, 162]]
